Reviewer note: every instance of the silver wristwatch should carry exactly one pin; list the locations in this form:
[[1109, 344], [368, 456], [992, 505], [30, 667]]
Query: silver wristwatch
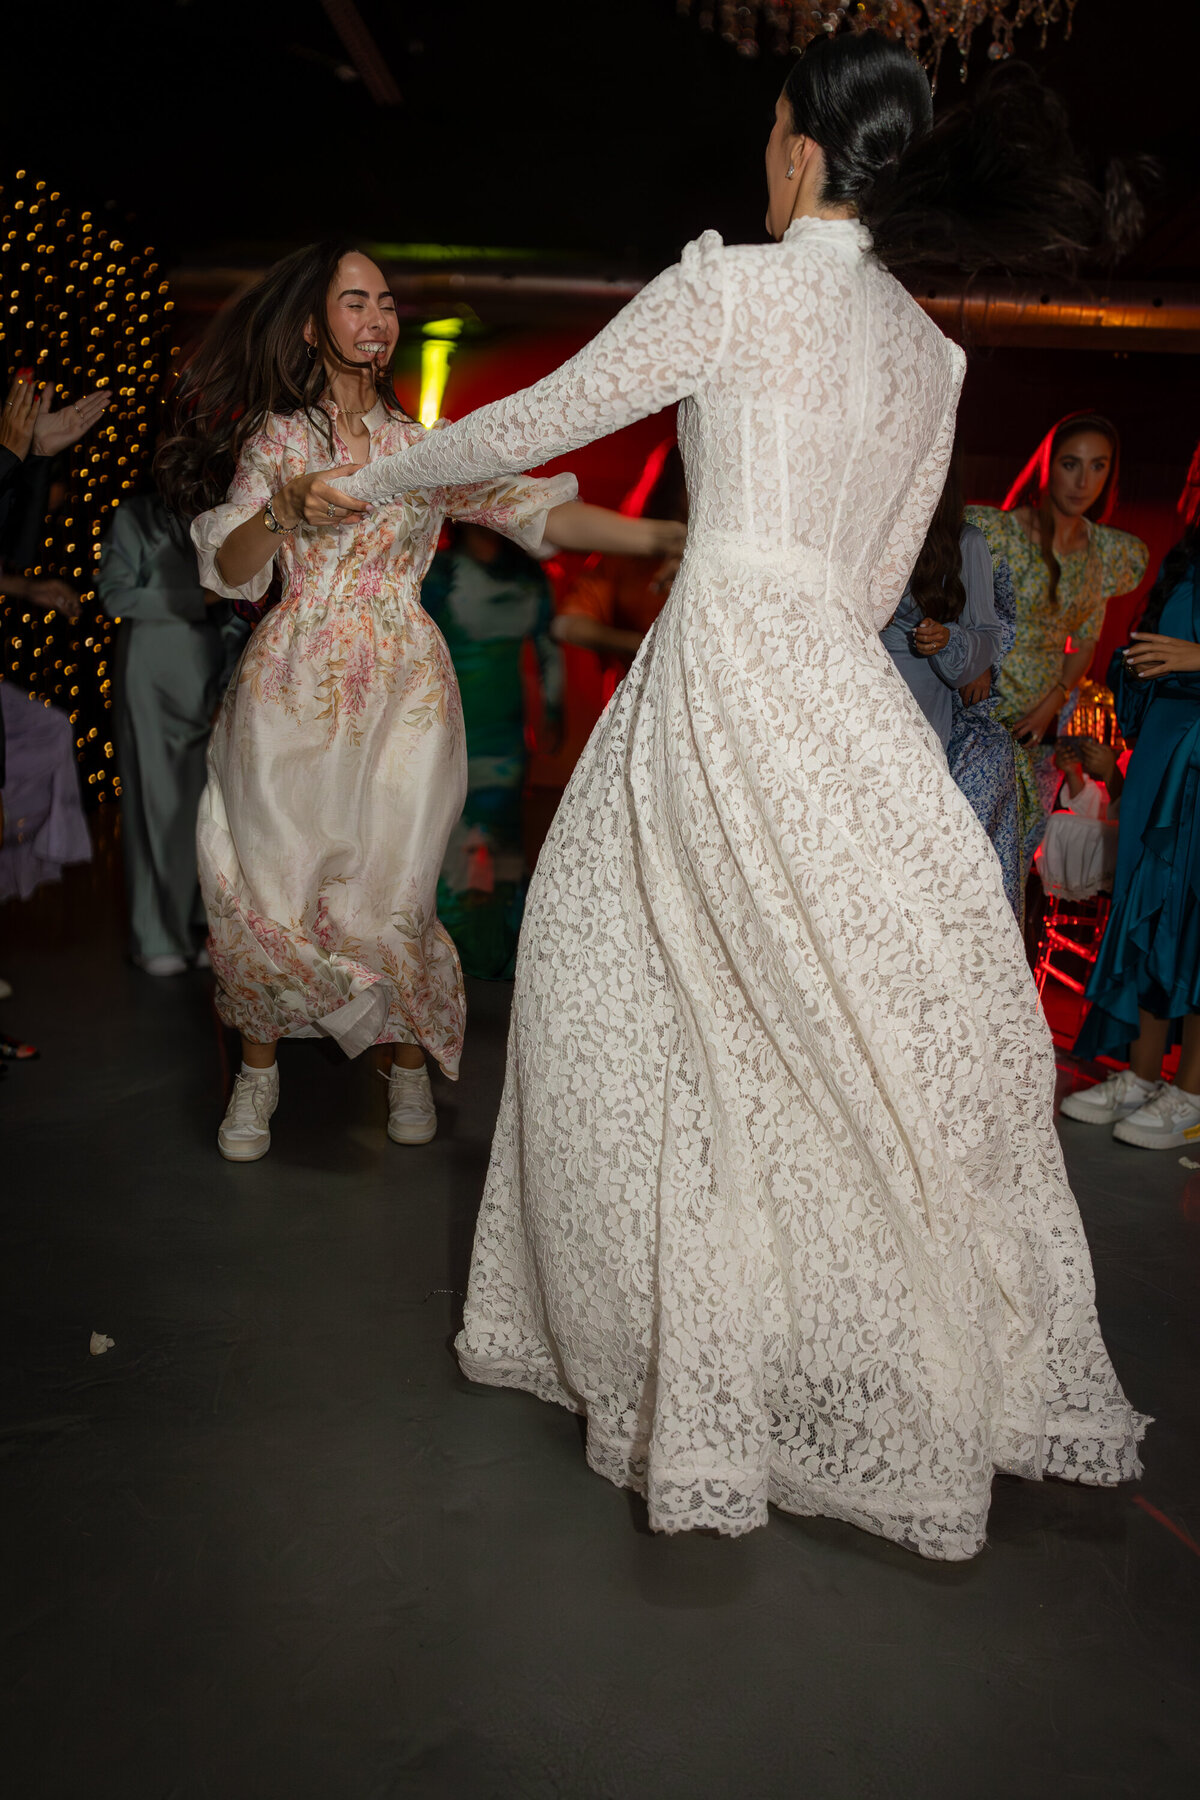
[[272, 523]]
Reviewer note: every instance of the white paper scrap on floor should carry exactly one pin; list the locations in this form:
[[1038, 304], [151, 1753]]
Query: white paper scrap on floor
[[776, 1198]]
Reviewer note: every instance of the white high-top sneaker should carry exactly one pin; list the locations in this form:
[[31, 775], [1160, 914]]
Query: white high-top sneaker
[[1110, 1100], [245, 1132], [412, 1116], [1167, 1122]]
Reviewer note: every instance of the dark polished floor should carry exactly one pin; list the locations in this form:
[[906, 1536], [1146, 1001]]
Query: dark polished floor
[[271, 1544]]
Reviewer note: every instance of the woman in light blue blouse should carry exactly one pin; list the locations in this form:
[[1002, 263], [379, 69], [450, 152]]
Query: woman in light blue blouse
[[949, 637], [945, 635]]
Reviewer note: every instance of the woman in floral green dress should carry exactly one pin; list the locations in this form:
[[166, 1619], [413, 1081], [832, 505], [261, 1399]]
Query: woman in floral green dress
[[1067, 563]]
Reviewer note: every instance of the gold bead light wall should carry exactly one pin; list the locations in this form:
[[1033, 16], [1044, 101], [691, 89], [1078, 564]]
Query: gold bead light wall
[[85, 309]]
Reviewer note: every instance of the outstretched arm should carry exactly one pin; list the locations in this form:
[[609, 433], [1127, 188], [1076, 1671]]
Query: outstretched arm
[[657, 349], [577, 526]]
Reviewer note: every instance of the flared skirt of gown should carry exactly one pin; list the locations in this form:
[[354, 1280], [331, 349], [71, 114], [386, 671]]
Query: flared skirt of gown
[[775, 1197]]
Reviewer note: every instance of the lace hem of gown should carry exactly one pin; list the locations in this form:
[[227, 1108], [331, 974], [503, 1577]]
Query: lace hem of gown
[[942, 1529]]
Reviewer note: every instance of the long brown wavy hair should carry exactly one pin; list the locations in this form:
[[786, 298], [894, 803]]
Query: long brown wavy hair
[[253, 361], [936, 583], [1032, 486]]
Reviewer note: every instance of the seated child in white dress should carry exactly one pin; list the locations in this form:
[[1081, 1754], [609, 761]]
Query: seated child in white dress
[[1078, 854]]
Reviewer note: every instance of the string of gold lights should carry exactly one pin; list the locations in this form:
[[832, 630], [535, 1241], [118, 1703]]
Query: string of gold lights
[[85, 310], [928, 27]]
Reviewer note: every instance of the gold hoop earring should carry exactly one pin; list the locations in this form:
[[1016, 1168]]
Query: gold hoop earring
[[312, 353]]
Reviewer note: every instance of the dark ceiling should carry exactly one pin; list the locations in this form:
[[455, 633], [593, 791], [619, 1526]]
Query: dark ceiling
[[607, 126]]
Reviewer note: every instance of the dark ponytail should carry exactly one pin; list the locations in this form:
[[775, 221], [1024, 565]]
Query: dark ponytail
[[995, 182]]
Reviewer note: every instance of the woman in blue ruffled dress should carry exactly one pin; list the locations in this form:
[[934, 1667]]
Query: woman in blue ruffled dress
[[1145, 988]]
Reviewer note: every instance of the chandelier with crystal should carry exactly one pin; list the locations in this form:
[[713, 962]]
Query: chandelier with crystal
[[926, 26]]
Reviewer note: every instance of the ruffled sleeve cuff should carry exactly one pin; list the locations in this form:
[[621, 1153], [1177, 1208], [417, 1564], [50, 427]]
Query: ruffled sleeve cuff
[[517, 506], [209, 532]]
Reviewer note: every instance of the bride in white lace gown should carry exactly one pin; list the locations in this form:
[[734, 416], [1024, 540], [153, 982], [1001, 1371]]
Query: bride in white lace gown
[[775, 1198]]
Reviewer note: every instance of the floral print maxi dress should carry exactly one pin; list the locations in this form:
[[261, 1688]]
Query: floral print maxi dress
[[337, 766], [1112, 562]]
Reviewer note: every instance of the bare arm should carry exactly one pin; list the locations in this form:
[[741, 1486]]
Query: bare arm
[[578, 526], [585, 633]]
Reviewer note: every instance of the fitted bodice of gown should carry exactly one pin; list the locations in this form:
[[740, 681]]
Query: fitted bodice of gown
[[819, 407]]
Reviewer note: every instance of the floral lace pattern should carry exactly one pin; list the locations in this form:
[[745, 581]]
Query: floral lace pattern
[[338, 767], [775, 1197]]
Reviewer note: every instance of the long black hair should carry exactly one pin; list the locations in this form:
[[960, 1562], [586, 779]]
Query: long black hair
[[1179, 561], [254, 361], [995, 182], [936, 583]]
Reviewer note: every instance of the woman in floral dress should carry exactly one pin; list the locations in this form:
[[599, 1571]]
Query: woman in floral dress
[[337, 766], [1067, 563]]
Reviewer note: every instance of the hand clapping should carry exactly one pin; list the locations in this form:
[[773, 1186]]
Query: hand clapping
[[17, 419], [54, 431]]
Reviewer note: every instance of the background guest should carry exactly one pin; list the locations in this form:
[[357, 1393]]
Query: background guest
[[986, 761], [1067, 562], [1078, 852], [948, 640], [1145, 988], [175, 650], [44, 824], [616, 599], [490, 601], [945, 634]]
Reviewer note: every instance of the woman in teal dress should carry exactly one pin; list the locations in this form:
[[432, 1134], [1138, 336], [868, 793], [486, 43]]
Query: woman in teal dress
[[1145, 988], [489, 600]]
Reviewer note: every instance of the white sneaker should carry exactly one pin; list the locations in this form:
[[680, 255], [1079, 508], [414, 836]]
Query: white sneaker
[[1167, 1122], [162, 965], [245, 1133], [1109, 1100], [412, 1116]]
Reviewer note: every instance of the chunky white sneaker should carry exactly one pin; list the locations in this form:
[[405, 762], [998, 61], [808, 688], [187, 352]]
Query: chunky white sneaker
[[167, 964], [1109, 1100], [412, 1116], [245, 1132], [1167, 1122]]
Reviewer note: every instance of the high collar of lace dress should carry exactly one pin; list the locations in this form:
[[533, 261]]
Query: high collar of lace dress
[[850, 232]]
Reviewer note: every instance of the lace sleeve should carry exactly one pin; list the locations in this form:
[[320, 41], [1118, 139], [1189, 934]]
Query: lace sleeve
[[658, 349], [916, 509]]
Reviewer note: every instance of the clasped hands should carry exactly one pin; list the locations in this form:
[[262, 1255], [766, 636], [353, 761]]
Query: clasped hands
[[313, 499], [1151, 656]]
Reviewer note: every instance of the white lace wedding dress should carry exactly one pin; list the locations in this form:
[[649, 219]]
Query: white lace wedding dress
[[776, 1198]]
